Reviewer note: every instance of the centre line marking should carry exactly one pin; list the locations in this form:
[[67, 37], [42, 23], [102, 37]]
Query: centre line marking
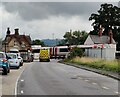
[[22, 80], [22, 92], [86, 80], [105, 88], [94, 83]]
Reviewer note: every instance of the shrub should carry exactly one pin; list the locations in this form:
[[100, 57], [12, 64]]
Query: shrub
[[76, 52]]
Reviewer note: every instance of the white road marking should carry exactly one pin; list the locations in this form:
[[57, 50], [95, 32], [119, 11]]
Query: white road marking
[[22, 80], [22, 91], [86, 80], [17, 82], [105, 88], [94, 83], [116, 92]]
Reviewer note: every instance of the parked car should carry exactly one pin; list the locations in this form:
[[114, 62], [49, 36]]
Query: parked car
[[21, 60], [16, 51], [14, 60], [4, 63]]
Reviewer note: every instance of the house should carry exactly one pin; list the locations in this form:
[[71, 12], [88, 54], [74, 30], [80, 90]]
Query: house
[[103, 46], [20, 42]]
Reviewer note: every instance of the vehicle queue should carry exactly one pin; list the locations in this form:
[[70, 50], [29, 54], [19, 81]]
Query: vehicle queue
[[15, 58], [12, 59]]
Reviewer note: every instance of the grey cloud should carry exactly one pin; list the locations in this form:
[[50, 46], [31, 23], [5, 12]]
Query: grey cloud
[[43, 10]]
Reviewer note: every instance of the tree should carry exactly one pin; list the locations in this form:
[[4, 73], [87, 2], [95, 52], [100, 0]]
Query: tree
[[38, 42], [76, 37], [68, 37], [79, 37], [76, 52], [109, 17], [61, 43]]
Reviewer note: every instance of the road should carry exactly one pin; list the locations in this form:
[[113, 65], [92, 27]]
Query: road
[[53, 78]]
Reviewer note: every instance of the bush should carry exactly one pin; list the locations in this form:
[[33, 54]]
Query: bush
[[76, 52]]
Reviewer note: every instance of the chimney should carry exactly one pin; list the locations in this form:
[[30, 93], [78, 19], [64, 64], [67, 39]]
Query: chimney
[[8, 31], [16, 31], [100, 31], [110, 35]]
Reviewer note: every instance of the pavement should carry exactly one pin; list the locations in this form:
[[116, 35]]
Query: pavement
[[8, 83], [102, 72]]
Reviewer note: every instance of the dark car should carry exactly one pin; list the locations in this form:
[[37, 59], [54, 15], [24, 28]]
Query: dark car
[[4, 64]]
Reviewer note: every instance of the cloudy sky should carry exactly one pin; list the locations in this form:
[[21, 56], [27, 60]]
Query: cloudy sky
[[43, 20]]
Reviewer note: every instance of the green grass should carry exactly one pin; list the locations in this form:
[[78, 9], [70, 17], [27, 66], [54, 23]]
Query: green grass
[[111, 65]]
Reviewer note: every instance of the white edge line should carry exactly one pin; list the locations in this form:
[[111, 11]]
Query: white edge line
[[116, 92], [17, 82], [86, 80], [105, 88], [94, 83], [22, 91]]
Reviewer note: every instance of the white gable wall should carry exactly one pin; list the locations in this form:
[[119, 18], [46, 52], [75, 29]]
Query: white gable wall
[[88, 41], [106, 53]]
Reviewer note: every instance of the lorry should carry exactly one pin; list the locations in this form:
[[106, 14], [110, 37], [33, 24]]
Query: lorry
[[44, 55], [36, 51]]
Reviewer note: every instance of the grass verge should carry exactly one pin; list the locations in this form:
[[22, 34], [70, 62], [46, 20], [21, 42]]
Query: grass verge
[[107, 65]]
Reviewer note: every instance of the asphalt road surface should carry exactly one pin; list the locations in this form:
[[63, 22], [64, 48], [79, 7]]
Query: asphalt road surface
[[53, 78]]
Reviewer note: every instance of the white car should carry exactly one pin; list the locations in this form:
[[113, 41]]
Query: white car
[[13, 60], [21, 60]]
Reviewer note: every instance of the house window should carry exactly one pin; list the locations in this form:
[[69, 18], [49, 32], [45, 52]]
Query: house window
[[23, 44], [15, 43]]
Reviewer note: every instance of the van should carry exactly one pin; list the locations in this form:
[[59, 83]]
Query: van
[[44, 55]]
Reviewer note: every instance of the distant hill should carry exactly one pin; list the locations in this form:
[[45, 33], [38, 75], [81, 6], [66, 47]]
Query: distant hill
[[51, 42]]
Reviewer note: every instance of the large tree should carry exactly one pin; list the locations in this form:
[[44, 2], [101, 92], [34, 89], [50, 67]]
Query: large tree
[[109, 17], [38, 42], [76, 37]]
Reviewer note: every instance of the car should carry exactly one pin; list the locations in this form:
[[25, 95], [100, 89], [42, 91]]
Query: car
[[16, 51], [4, 63], [14, 60], [21, 60]]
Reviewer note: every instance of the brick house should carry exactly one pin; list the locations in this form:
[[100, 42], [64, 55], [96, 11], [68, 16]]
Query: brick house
[[20, 42]]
